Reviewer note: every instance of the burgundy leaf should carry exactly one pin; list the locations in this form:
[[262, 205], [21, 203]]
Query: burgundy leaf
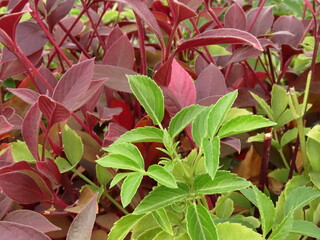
[[56, 10], [90, 105], [21, 188], [16, 5], [5, 126], [5, 205], [6, 158], [116, 76], [181, 12], [143, 11], [209, 100], [163, 74], [221, 36], [30, 129], [16, 231], [210, 82], [12, 117], [243, 53], [193, 4], [262, 23], [115, 130], [232, 142], [287, 52], [67, 22], [38, 222], [27, 95], [8, 112], [53, 111], [182, 86], [74, 83], [50, 169], [235, 17], [49, 77], [171, 103], [86, 218], [292, 25]]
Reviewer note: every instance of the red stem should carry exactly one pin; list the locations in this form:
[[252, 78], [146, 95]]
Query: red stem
[[257, 15], [143, 57], [263, 179], [212, 14]]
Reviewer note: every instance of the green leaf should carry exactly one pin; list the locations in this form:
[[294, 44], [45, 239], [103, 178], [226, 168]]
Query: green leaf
[[306, 228], [183, 236], [162, 176], [282, 230], [141, 134], [21, 152], [63, 165], [162, 196], [163, 235], [103, 176], [149, 95], [149, 233], [219, 111], [129, 187], [234, 112], [299, 198], [244, 123], [162, 219], [72, 145], [315, 178], [211, 150], [117, 178], [236, 231], [200, 125], [224, 207], [128, 150], [279, 100], [183, 118], [123, 226], [313, 153], [265, 206], [287, 116], [259, 137], [263, 104], [119, 161], [289, 136], [200, 224], [222, 183], [314, 133], [280, 174]]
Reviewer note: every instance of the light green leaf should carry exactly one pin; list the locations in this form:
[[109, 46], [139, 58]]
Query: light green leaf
[[222, 183], [234, 112], [129, 187], [21, 152], [103, 176], [299, 198], [119, 161], [211, 150], [162, 219], [282, 230], [263, 104], [149, 95], [315, 178], [314, 133], [279, 100], [183, 236], [249, 222], [289, 136], [236, 231], [183, 118], [200, 224], [224, 207], [280, 174], [260, 138], [149, 233], [72, 145], [141, 134], [200, 125], [163, 235], [117, 178], [313, 153], [123, 226], [161, 197], [162, 176], [219, 111], [265, 206], [244, 123], [63, 165], [306, 228], [128, 150]]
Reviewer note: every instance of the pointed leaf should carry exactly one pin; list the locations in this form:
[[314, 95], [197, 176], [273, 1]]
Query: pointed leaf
[[149, 95], [5, 126], [279, 100], [306, 228], [235, 17], [263, 104], [129, 187], [72, 145], [162, 219], [117, 178], [211, 150], [161, 197], [25, 94], [142, 134], [200, 224], [244, 123], [183, 118], [119, 161], [283, 229], [200, 125], [236, 231], [122, 227], [162, 176]]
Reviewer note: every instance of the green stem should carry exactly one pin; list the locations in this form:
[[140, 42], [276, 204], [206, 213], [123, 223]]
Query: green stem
[[104, 192], [284, 160], [306, 93], [225, 197]]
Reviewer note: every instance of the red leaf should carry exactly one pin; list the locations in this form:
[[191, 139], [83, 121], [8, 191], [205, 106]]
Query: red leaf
[[5, 205], [210, 82], [171, 103], [5, 126], [27, 95], [125, 118], [180, 11], [18, 231], [49, 169], [53, 111], [193, 4], [48, 76], [232, 142], [235, 17], [56, 10], [30, 129], [73, 84], [182, 86], [6, 158], [38, 221], [221, 36], [115, 130], [243, 53], [263, 22]]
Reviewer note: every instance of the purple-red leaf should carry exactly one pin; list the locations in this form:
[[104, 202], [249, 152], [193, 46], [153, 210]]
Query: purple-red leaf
[[27, 95], [74, 83], [235, 17], [5, 126], [193, 4], [30, 129], [50, 169], [31, 219], [5, 204], [262, 23], [115, 130], [232, 142], [181, 11], [56, 10], [16, 231], [6, 158], [53, 111], [243, 53], [210, 82], [48, 76], [221, 36]]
